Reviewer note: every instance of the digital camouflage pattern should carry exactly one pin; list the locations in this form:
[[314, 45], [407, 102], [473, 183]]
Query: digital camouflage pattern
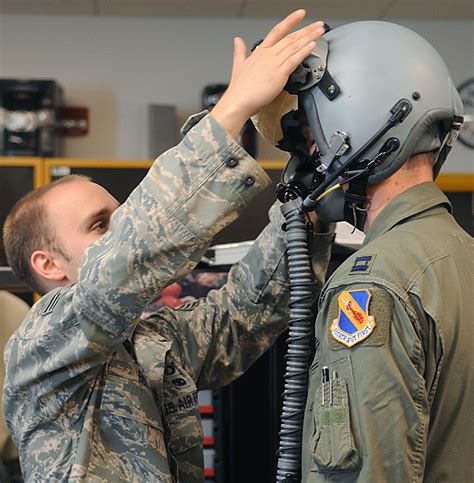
[[401, 398], [217, 339], [94, 394], [12, 311], [75, 400]]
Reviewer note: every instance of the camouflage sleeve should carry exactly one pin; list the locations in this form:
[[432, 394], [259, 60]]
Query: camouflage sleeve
[[156, 236], [160, 233], [220, 337]]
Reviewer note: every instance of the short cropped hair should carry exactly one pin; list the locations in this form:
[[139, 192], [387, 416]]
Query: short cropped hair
[[27, 229], [418, 160]]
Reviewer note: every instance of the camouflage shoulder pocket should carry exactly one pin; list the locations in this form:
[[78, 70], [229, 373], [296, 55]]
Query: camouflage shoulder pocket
[[180, 408]]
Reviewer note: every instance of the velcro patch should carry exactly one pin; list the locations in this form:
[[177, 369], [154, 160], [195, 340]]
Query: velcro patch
[[359, 317]]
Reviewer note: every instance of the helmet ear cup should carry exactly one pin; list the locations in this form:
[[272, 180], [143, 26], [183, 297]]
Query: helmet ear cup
[[429, 134]]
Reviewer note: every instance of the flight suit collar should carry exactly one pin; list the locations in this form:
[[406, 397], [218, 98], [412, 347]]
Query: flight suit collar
[[411, 202]]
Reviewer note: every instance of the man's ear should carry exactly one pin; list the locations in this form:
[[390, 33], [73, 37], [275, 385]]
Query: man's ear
[[47, 266]]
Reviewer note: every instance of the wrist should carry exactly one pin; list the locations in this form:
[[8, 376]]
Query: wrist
[[229, 116]]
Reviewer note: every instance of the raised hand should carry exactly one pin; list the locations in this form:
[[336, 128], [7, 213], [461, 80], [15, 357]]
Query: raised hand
[[257, 79]]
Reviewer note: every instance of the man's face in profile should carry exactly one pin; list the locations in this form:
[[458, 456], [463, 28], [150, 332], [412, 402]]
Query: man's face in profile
[[79, 214]]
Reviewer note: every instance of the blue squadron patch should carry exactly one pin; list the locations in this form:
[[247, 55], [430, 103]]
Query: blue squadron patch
[[353, 324]]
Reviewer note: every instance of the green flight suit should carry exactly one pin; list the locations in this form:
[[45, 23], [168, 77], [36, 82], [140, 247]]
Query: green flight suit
[[89, 386], [398, 406]]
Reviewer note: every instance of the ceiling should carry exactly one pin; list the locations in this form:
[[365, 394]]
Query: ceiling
[[344, 9]]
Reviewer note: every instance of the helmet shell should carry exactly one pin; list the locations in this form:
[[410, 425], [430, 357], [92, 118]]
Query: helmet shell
[[376, 64]]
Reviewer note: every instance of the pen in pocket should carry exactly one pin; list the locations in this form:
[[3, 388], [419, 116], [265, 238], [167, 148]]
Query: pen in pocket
[[331, 387], [325, 378]]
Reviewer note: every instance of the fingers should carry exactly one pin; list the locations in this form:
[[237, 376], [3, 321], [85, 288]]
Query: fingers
[[291, 47], [308, 33], [292, 62], [282, 28], [240, 54]]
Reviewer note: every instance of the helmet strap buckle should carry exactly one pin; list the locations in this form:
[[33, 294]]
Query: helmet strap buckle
[[355, 202]]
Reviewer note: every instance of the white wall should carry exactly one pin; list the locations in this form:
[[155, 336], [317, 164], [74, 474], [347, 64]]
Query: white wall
[[117, 66]]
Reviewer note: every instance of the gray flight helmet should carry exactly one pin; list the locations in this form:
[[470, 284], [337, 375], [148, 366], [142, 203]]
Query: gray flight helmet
[[371, 65]]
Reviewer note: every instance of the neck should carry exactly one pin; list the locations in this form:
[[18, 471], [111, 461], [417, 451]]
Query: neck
[[381, 194]]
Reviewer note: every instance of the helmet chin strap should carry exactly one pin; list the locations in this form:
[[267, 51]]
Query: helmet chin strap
[[355, 202], [355, 196]]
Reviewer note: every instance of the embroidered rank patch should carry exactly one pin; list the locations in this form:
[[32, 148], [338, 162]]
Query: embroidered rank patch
[[52, 303], [362, 264], [191, 305], [353, 324]]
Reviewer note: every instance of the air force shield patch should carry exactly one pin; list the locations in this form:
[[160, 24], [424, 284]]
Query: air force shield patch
[[353, 324]]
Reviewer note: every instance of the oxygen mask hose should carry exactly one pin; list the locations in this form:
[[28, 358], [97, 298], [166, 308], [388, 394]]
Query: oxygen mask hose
[[299, 354]]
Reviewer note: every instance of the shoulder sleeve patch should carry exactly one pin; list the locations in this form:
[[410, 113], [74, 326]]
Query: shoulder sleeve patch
[[362, 265], [359, 317]]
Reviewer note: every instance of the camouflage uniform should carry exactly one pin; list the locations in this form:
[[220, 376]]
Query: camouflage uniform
[[12, 311], [85, 397], [399, 406], [211, 342]]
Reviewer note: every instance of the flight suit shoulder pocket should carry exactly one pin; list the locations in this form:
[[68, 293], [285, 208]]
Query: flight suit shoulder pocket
[[333, 441]]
